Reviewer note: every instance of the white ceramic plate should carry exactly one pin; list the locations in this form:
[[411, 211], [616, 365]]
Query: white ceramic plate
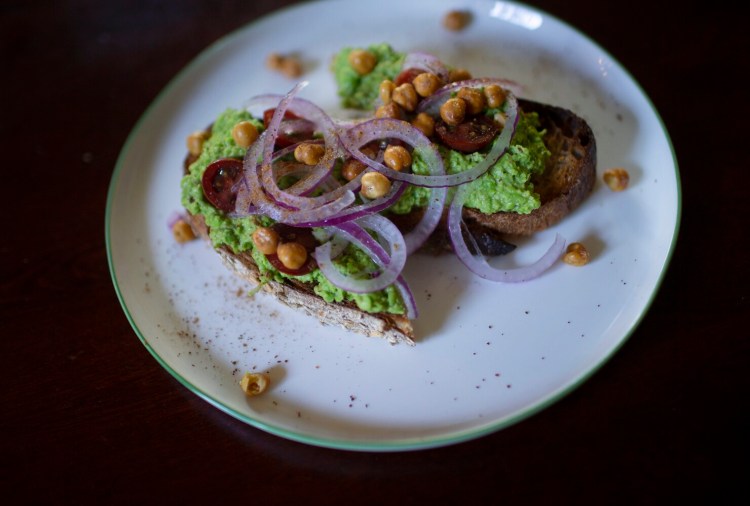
[[488, 354]]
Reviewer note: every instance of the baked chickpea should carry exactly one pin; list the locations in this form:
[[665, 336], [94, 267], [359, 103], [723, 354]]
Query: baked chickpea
[[390, 110], [266, 240], [352, 168], [494, 95], [182, 232], [396, 157], [244, 134], [458, 75], [291, 67], [292, 254], [426, 84], [456, 20], [386, 90], [475, 102], [617, 179], [309, 154], [274, 60], [362, 61], [375, 185], [405, 96], [576, 254], [195, 142], [254, 384], [425, 123], [453, 111]]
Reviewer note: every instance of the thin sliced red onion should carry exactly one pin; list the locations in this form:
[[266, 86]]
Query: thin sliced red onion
[[385, 230], [478, 263], [248, 187], [355, 232], [266, 167], [252, 198], [312, 115], [388, 128], [292, 127], [338, 242], [407, 297], [417, 236], [310, 178], [427, 62]]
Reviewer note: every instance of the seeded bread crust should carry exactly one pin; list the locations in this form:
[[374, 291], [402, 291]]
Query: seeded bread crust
[[567, 180], [392, 327]]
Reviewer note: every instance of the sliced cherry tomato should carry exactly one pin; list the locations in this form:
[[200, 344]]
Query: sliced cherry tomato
[[295, 234], [283, 139], [218, 183], [407, 76], [268, 114], [469, 136]]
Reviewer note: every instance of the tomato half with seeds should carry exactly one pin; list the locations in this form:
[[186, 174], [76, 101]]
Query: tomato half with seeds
[[469, 136], [219, 181]]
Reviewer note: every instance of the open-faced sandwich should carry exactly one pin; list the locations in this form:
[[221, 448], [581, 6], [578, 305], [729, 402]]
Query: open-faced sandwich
[[325, 213]]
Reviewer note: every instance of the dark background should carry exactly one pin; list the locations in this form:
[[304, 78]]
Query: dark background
[[88, 416]]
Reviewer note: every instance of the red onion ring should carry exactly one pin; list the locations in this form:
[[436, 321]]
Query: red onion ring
[[266, 168], [311, 114], [428, 63], [388, 128], [478, 263], [407, 297], [320, 179], [252, 197], [391, 265]]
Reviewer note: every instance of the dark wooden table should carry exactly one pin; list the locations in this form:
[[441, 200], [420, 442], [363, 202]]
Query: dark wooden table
[[88, 416]]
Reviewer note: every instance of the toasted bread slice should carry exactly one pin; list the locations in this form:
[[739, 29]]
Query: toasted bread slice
[[567, 180], [392, 327]]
